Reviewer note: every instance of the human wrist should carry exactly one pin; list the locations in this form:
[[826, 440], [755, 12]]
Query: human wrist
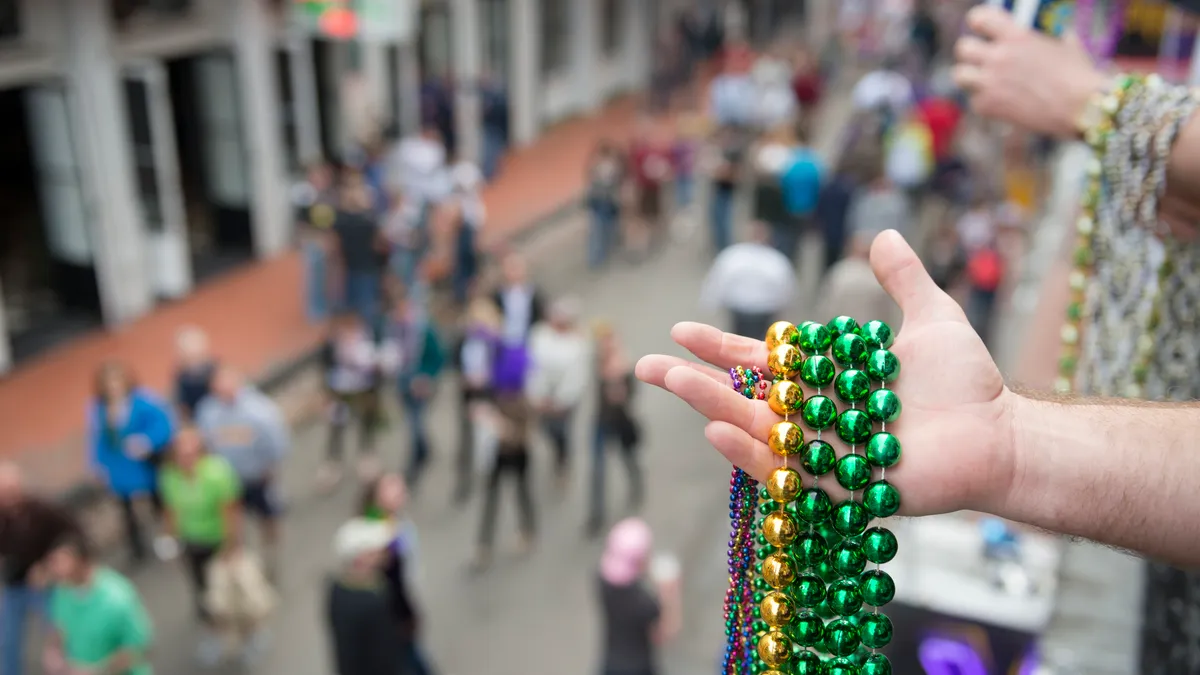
[[1081, 101], [1008, 449]]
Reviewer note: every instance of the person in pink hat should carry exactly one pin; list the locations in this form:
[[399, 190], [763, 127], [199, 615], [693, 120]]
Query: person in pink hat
[[636, 619]]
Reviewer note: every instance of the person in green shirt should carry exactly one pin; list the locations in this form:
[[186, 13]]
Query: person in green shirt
[[201, 496], [100, 626]]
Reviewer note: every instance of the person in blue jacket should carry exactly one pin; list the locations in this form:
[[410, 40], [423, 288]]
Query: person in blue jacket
[[129, 430]]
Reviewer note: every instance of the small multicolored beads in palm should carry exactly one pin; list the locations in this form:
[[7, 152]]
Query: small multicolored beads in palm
[[813, 579], [743, 501]]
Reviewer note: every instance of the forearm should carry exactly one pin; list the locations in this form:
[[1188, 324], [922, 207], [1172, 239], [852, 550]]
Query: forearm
[[1121, 473], [1183, 168]]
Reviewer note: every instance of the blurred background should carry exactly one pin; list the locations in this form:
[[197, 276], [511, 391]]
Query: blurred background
[[194, 184]]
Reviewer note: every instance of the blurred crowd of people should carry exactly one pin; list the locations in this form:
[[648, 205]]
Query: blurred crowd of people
[[382, 228]]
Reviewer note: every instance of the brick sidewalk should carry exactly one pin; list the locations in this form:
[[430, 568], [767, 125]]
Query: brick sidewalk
[[255, 315]]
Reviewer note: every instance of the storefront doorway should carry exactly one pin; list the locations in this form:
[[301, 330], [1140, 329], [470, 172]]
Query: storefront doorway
[[213, 172], [47, 265]]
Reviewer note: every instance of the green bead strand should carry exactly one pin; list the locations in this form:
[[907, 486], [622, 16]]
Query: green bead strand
[[819, 412], [882, 365], [854, 426], [879, 545], [814, 338], [848, 557], [852, 386], [875, 630], [842, 325], [881, 499], [877, 664], [817, 371], [849, 350], [841, 637], [853, 472], [877, 588], [850, 518], [883, 405], [883, 450], [877, 334], [845, 598], [813, 505], [817, 457]]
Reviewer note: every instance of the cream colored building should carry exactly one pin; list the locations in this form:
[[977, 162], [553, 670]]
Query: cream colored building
[[151, 143]]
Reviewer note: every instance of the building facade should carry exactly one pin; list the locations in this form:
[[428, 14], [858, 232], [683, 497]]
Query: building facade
[[151, 143]]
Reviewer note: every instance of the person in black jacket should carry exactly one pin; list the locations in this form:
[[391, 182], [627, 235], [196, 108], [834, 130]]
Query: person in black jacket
[[358, 611], [29, 528]]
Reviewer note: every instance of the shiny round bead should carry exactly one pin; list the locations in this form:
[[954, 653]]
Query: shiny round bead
[[883, 365], [876, 664], [883, 405], [850, 518], [849, 350], [877, 334], [877, 587], [813, 505], [808, 629], [875, 631], [853, 472], [817, 457], [782, 333], [777, 609], [767, 507], [817, 371], [852, 385], [779, 529], [844, 597], [810, 549], [807, 663], [880, 545], [774, 648], [853, 426], [785, 397], [785, 438], [783, 484], [848, 558], [809, 591], [784, 361], [842, 325], [766, 551], [841, 666], [883, 450], [881, 499], [779, 570], [819, 412], [814, 338], [841, 637]]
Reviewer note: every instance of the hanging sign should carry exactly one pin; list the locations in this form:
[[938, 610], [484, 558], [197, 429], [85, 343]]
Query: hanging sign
[[367, 20]]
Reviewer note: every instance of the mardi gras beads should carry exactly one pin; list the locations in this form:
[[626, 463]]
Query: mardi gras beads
[[819, 584], [743, 501]]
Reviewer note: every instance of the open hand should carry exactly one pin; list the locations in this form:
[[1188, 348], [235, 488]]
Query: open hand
[[954, 429]]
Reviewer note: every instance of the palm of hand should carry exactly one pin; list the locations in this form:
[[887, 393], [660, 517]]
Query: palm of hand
[[952, 420], [953, 426]]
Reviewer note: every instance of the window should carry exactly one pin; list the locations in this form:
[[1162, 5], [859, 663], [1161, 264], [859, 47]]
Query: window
[[10, 19], [610, 26], [556, 35]]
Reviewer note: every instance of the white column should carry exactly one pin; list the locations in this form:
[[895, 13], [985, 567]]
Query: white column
[[305, 102], [102, 140], [409, 68], [250, 25], [5, 348], [1194, 68], [468, 42], [586, 57], [638, 20], [375, 74], [525, 72]]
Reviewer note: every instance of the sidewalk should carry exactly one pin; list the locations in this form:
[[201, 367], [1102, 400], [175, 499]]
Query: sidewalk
[[255, 316]]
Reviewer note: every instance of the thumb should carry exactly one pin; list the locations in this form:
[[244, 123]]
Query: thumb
[[902, 275]]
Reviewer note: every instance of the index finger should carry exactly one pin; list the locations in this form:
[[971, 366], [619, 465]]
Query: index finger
[[992, 23], [721, 349]]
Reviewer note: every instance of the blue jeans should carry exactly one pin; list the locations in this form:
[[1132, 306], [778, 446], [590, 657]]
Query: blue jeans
[[414, 410], [494, 146], [603, 235], [600, 439], [721, 218], [16, 607], [316, 281], [466, 265], [685, 189], [362, 294]]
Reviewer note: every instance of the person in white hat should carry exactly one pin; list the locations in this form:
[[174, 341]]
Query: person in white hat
[[360, 624]]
